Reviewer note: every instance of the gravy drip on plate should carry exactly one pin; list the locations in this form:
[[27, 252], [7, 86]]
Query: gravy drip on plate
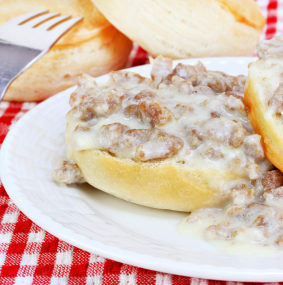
[[253, 218]]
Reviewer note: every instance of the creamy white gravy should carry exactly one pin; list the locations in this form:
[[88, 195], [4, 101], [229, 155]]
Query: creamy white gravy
[[243, 245], [190, 116]]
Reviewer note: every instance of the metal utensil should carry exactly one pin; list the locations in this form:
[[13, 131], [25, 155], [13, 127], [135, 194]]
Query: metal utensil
[[25, 39]]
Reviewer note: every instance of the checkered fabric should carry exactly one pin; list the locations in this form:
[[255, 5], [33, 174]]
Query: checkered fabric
[[30, 255]]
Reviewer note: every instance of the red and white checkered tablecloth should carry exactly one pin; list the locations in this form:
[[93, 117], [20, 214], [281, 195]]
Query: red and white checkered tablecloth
[[30, 255]]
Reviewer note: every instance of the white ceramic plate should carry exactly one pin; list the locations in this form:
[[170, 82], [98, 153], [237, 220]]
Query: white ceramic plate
[[99, 223]]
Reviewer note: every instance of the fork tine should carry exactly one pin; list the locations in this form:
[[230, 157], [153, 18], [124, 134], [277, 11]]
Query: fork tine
[[40, 19], [25, 17], [52, 22], [65, 26]]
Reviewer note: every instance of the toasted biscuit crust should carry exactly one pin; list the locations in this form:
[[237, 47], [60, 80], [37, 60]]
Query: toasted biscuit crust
[[266, 125], [157, 185]]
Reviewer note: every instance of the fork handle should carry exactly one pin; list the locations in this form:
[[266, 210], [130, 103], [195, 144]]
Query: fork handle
[[13, 61]]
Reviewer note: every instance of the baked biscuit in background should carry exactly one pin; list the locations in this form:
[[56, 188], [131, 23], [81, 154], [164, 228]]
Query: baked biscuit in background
[[94, 47], [188, 28]]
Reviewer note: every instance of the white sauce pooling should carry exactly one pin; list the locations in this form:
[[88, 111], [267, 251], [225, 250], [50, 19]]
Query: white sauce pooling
[[251, 224]]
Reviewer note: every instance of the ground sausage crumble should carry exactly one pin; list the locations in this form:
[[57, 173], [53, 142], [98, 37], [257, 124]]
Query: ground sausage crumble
[[187, 115]]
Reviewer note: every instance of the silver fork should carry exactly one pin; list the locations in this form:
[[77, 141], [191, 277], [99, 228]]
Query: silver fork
[[25, 39]]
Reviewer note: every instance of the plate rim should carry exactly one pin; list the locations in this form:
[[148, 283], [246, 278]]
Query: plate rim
[[118, 254]]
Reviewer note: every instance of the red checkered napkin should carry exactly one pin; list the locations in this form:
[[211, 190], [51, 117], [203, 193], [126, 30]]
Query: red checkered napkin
[[30, 255]]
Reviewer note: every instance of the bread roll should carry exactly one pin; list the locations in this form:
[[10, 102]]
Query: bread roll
[[188, 28], [180, 140], [264, 97], [156, 185], [94, 46]]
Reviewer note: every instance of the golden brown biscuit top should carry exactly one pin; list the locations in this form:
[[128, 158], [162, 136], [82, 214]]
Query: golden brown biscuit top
[[245, 11]]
